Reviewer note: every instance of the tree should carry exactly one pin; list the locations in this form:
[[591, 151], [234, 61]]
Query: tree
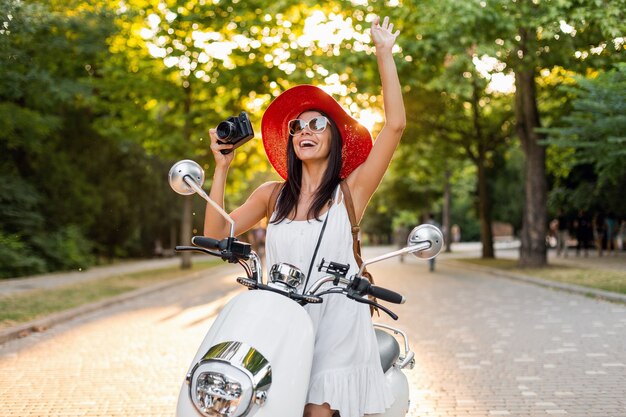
[[526, 36], [595, 128], [592, 136]]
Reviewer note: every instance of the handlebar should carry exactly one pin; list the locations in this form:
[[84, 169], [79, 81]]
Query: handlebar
[[206, 242], [385, 294], [356, 288]]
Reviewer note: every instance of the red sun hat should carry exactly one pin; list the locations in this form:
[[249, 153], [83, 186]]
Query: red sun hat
[[357, 141]]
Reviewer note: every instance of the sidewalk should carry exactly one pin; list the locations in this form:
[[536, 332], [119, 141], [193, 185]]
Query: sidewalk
[[510, 250], [48, 281]]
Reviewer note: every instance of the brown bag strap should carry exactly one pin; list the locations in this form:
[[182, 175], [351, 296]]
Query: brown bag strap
[[356, 243], [271, 204]]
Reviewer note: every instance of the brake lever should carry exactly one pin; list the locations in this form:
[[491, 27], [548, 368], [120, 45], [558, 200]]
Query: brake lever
[[372, 303]]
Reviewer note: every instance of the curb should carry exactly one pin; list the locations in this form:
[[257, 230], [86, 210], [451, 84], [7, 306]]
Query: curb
[[571, 288], [42, 324]]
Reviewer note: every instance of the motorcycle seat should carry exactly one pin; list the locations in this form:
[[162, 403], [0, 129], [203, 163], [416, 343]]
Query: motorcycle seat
[[388, 348]]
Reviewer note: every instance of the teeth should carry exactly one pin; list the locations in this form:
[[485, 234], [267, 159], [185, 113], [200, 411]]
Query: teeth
[[307, 143]]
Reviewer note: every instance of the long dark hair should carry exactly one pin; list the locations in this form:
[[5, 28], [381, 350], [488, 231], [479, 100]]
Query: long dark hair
[[290, 191]]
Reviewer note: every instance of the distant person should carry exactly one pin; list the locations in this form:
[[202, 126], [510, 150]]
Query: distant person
[[584, 232], [158, 248], [599, 231], [562, 233], [431, 261], [456, 233], [611, 231], [621, 235]]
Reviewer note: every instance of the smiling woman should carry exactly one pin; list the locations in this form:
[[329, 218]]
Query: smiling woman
[[316, 146]]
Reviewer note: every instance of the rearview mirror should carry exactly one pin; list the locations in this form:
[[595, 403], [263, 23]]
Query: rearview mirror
[[186, 177], [426, 233], [184, 171]]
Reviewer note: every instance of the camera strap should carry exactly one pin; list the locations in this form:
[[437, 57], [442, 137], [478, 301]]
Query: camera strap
[[319, 240]]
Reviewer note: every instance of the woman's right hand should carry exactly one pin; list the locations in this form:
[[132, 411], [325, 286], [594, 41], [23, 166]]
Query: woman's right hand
[[221, 160]]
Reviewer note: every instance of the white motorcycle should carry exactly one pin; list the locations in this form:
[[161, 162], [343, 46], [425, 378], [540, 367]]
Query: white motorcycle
[[256, 358]]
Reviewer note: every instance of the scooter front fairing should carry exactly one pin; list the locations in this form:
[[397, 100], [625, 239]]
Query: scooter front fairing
[[271, 332]]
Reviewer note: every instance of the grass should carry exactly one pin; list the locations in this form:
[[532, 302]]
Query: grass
[[602, 279], [31, 305]]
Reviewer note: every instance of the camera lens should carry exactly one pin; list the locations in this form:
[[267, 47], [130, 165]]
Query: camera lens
[[225, 130]]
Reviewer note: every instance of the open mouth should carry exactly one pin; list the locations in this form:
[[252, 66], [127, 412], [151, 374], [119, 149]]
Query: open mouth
[[307, 144]]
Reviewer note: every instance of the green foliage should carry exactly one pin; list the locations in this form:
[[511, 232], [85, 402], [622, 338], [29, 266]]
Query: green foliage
[[64, 249], [507, 184], [464, 202], [98, 99], [595, 128], [17, 257]]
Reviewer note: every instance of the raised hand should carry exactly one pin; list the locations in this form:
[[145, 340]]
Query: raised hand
[[221, 160], [383, 35]]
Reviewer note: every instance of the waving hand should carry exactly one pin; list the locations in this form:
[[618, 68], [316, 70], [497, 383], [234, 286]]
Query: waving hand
[[383, 35]]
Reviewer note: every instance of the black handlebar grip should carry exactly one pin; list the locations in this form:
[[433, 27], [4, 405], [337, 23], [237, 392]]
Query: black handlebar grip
[[385, 294], [205, 242]]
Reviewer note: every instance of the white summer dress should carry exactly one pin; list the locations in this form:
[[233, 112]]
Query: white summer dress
[[346, 371]]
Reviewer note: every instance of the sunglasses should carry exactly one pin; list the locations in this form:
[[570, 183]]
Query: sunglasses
[[316, 125]]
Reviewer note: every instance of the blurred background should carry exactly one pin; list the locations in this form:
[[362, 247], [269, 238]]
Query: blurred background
[[516, 114]]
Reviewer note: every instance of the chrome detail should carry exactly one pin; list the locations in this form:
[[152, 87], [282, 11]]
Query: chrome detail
[[408, 359], [186, 177], [256, 267], [260, 397], [230, 380], [410, 249], [182, 169], [426, 233], [218, 394], [286, 275], [425, 241], [318, 284]]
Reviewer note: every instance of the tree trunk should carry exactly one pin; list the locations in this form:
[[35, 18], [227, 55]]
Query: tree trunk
[[187, 224], [484, 201], [484, 210], [533, 234], [447, 199]]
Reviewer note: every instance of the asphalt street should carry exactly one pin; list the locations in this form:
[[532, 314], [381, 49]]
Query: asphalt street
[[484, 346]]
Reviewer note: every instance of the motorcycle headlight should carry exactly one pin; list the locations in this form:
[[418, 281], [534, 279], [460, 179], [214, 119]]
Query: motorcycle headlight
[[229, 381]]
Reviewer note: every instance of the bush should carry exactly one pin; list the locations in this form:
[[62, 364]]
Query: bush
[[17, 258], [64, 249]]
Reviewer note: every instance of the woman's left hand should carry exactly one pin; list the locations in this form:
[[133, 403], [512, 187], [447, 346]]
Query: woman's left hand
[[383, 35]]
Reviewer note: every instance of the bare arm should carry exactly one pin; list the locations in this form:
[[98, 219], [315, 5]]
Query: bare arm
[[246, 216], [365, 179]]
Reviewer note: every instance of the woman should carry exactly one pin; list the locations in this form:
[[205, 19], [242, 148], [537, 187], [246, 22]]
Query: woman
[[314, 144]]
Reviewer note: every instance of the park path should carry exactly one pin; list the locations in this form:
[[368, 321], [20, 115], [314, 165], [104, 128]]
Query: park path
[[484, 346], [48, 281]]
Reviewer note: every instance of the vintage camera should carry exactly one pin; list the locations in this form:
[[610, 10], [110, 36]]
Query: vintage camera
[[235, 130]]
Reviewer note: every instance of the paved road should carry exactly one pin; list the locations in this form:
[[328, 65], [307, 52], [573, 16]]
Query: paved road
[[484, 346]]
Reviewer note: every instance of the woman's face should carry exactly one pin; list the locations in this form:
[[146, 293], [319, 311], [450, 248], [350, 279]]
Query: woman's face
[[309, 145]]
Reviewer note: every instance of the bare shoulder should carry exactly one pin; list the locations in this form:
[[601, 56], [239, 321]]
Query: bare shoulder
[[265, 190]]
